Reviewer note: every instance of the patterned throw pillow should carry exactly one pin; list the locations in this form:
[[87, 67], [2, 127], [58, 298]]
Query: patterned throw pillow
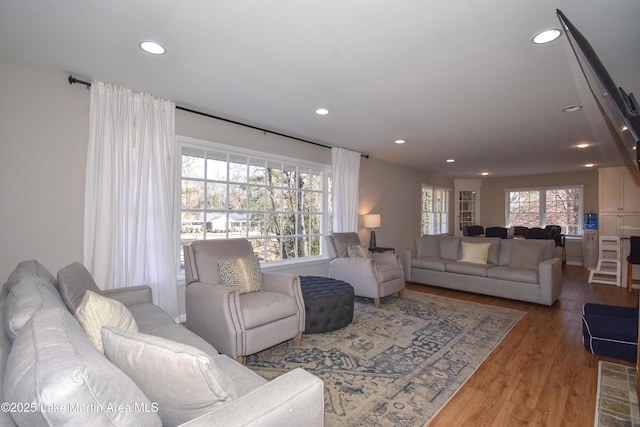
[[358, 251], [243, 274]]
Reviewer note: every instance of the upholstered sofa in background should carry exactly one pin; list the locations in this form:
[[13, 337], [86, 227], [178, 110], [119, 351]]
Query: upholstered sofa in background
[[519, 269], [53, 373]]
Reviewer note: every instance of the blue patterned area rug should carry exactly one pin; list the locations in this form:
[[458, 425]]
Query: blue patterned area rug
[[396, 365]]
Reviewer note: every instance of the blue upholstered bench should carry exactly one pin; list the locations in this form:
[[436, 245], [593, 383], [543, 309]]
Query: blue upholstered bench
[[611, 331], [328, 303]]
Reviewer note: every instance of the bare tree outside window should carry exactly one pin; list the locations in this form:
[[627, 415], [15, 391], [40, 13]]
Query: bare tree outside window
[[278, 206], [550, 206]]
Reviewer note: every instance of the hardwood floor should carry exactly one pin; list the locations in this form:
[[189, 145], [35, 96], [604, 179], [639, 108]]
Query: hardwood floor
[[540, 374]]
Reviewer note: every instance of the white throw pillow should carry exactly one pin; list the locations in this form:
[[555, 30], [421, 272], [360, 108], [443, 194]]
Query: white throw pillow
[[475, 253], [96, 311], [182, 380]]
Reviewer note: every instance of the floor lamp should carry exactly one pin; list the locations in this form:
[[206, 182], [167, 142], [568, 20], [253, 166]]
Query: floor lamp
[[372, 221]]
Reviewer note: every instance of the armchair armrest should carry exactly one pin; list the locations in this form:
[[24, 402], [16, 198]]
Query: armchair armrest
[[293, 399], [288, 284], [213, 312], [385, 258], [131, 295], [283, 283], [358, 272]]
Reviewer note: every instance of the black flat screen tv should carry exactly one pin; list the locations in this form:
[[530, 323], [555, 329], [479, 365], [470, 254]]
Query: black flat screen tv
[[620, 108]]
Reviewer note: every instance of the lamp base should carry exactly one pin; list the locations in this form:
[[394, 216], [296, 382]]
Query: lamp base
[[372, 240]]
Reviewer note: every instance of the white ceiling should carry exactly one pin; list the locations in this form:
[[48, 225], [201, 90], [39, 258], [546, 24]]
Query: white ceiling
[[456, 79]]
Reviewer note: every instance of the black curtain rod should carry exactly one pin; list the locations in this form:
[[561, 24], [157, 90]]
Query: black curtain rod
[[73, 80]]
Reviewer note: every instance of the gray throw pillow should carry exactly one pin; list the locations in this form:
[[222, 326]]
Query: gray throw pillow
[[450, 248], [73, 282], [53, 366], [525, 255], [183, 381], [23, 300]]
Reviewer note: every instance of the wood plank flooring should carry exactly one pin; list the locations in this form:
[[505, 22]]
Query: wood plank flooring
[[541, 374]]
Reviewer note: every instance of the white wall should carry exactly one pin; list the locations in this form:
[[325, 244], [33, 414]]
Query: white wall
[[43, 137], [43, 141]]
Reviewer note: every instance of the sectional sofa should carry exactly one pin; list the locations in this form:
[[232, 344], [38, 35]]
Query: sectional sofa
[[519, 269], [150, 372]]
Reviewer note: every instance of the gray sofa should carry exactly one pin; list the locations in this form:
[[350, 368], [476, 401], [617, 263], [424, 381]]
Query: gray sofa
[[164, 374], [519, 269]]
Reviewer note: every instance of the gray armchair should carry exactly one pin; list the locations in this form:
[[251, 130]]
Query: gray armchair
[[239, 324], [379, 276]]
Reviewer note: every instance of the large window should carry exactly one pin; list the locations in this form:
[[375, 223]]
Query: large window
[[546, 206], [278, 204], [435, 210]]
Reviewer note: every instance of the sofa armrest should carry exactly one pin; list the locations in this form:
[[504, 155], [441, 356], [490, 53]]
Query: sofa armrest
[[290, 400], [408, 256], [131, 295], [550, 279]]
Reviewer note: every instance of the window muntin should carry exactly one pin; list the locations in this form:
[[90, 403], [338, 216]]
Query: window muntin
[[561, 206], [278, 204], [435, 210]]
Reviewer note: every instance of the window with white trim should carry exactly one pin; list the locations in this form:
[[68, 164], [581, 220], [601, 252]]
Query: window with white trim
[[540, 207], [435, 210], [279, 204]]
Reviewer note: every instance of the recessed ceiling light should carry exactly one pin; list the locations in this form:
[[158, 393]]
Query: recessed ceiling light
[[572, 108], [152, 48], [589, 165], [484, 173], [583, 145], [624, 128], [546, 36], [450, 160], [400, 141], [322, 111]]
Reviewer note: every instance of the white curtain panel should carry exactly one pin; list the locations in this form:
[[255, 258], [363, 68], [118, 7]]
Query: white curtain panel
[[345, 170], [129, 236]]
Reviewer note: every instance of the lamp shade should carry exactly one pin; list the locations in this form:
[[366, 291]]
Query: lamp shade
[[372, 221]]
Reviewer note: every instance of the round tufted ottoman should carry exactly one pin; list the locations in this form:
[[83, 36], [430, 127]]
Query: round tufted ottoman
[[328, 303]]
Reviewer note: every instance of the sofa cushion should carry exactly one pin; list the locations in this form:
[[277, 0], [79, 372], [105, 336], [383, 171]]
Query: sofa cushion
[[470, 269], [24, 299], [515, 274], [449, 248], [152, 320], [525, 255], [427, 247], [437, 264], [242, 274], [184, 381], [73, 281], [475, 253], [32, 269], [96, 311], [52, 365]]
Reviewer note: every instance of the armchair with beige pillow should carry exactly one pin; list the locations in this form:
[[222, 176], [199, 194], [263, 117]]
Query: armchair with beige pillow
[[233, 305], [372, 275]]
